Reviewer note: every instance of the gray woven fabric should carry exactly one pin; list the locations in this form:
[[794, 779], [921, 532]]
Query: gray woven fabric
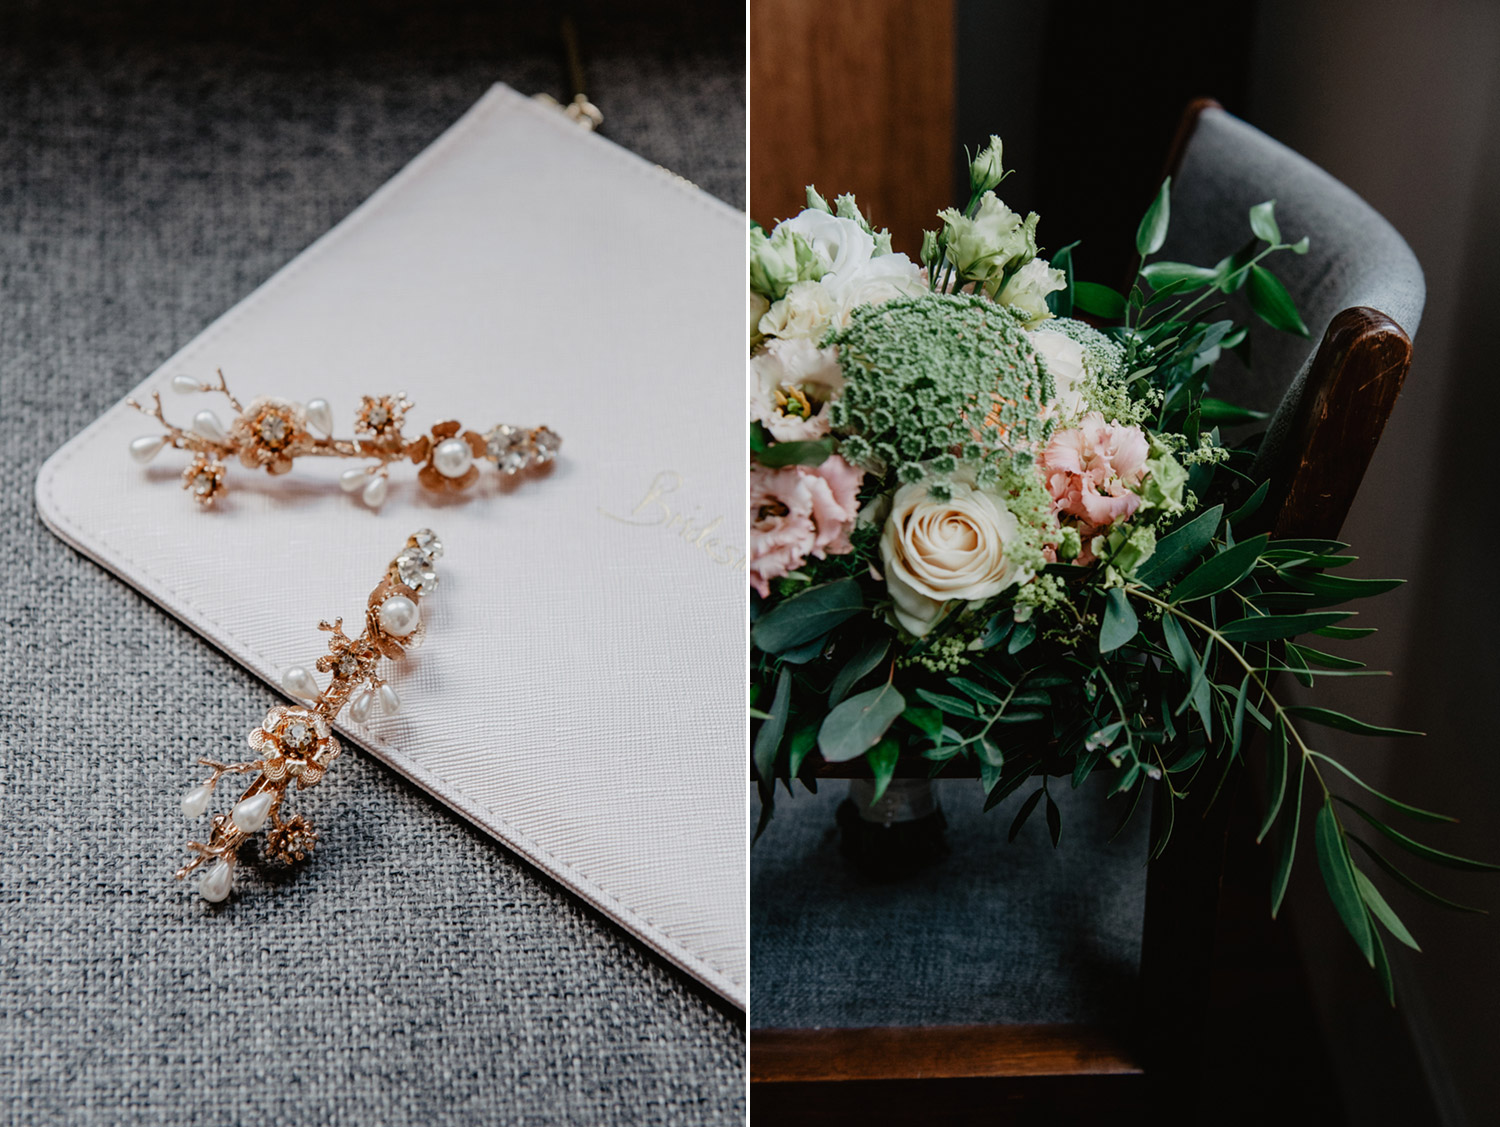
[[1356, 257], [413, 971], [996, 933]]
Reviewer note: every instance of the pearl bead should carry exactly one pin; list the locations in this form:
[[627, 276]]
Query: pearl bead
[[251, 814], [390, 703], [399, 616], [214, 887], [206, 425], [185, 385], [320, 415], [300, 683], [359, 707], [374, 493], [452, 458], [146, 447], [195, 802], [351, 481]]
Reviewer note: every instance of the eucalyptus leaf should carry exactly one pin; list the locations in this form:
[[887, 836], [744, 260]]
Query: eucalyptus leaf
[[882, 758], [1382, 911], [1179, 548], [1410, 885], [808, 615], [810, 453], [1338, 876], [768, 738], [1054, 820], [1099, 300], [1180, 275], [1283, 874], [1331, 719], [1220, 571], [1226, 413], [1417, 849], [1152, 232], [1268, 297], [861, 665], [1025, 812], [1263, 222], [1120, 622], [857, 725], [1270, 627], [1276, 772]]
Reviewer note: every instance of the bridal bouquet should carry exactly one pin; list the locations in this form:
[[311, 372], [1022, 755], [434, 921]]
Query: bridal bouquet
[[992, 519]]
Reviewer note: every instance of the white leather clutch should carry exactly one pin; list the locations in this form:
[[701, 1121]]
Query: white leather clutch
[[581, 694]]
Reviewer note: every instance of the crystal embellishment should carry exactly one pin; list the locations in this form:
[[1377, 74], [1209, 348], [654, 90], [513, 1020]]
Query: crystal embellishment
[[509, 448], [428, 544], [414, 568], [547, 444]]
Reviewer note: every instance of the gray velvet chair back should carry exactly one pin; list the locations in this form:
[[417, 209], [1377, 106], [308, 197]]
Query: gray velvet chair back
[[1356, 258]]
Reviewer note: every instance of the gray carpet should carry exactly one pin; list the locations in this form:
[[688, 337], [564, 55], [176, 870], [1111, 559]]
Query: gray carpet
[[998, 933], [157, 162]]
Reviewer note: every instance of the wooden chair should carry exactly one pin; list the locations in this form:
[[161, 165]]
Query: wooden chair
[[1362, 284]]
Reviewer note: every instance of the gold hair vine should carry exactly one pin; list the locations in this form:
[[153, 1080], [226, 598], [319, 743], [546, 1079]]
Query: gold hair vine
[[295, 742], [269, 433]]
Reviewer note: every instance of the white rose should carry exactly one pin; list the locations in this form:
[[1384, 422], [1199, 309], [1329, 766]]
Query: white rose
[[1028, 288], [1064, 359], [841, 246], [938, 551], [880, 280], [798, 367], [806, 312]]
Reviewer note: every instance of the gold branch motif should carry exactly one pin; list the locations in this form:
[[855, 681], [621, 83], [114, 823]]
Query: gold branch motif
[[271, 434], [295, 743]]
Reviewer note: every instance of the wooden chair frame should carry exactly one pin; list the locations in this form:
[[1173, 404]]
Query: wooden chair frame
[[996, 1073]]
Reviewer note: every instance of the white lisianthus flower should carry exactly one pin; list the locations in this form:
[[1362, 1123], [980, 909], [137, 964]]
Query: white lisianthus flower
[[1064, 358], [995, 239], [937, 552], [806, 312], [791, 384], [1028, 288], [878, 281], [840, 246]]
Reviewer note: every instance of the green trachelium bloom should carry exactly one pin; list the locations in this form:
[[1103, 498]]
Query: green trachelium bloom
[[925, 376]]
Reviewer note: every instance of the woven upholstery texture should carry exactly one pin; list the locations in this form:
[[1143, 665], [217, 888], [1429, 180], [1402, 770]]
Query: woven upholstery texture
[[414, 971], [998, 932], [1356, 257]]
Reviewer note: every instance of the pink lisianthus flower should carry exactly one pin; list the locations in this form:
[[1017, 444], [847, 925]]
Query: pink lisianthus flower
[[797, 512], [1093, 472]]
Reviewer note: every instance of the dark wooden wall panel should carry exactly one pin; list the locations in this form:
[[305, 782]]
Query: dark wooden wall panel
[[853, 96]]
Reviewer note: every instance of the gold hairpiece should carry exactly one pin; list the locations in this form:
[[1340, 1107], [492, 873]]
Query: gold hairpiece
[[296, 742], [270, 433]]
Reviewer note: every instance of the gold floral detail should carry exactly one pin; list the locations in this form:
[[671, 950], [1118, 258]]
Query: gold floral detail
[[291, 840], [422, 450], [294, 741], [270, 432], [348, 659], [381, 416], [204, 479]]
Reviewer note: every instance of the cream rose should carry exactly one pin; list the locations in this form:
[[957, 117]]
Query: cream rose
[[880, 280], [938, 551]]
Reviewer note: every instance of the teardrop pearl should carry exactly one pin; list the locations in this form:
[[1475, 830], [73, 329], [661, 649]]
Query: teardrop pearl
[[359, 707], [320, 415], [452, 458], [251, 814], [374, 493], [146, 447], [215, 885], [185, 385], [300, 683], [351, 481], [399, 616], [206, 425], [390, 703], [195, 802]]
